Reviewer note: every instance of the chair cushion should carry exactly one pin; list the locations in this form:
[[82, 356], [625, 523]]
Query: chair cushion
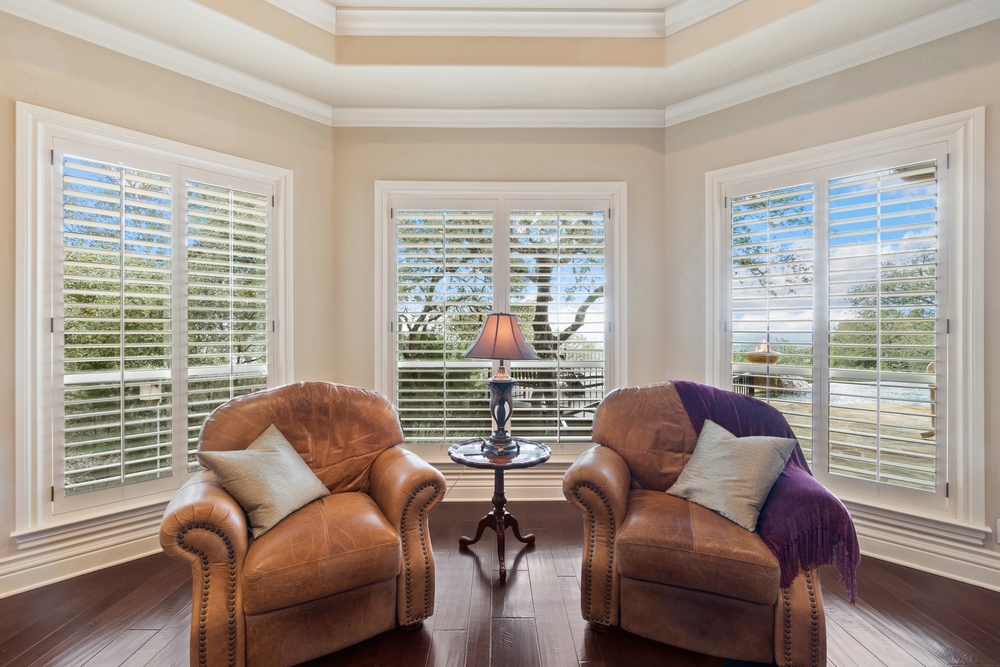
[[669, 540], [329, 546]]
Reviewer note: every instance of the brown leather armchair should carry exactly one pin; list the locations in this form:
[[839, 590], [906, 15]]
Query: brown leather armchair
[[335, 572], [670, 570]]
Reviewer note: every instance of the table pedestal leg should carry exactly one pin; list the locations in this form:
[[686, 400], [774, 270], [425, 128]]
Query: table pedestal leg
[[498, 519]]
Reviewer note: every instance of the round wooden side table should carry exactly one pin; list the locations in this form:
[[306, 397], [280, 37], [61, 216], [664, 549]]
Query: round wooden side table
[[470, 453]]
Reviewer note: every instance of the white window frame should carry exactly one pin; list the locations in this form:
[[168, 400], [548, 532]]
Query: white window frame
[[37, 395], [502, 198], [963, 132]]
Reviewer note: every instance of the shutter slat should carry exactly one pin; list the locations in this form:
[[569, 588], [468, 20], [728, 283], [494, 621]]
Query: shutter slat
[[771, 283], [560, 253], [106, 410], [883, 328], [227, 321], [444, 289]]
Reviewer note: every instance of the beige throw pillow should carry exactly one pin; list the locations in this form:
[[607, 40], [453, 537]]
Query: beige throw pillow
[[731, 475], [268, 479]]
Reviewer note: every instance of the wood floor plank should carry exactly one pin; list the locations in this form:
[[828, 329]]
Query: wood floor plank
[[872, 569], [120, 648], [514, 643], [33, 635], [923, 638], [958, 626], [556, 647], [406, 648], [845, 650], [481, 608], [512, 598], [180, 624], [177, 653], [448, 648], [587, 647], [876, 642], [101, 630], [167, 610]]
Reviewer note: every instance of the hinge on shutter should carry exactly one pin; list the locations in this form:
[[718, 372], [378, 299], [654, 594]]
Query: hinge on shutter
[[725, 326], [725, 202], [53, 495], [947, 489], [52, 325], [609, 326], [272, 326], [947, 326], [392, 327], [52, 157], [392, 213], [947, 161], [272, 201]]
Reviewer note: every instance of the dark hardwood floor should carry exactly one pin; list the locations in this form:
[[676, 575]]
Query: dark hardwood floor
[[138, 614]]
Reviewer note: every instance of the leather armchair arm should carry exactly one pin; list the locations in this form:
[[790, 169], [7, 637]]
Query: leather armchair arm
[[598, 483], [406, 488], [204, 526], [799, 623]]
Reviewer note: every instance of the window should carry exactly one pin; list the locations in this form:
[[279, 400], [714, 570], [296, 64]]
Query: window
[[455, 259], [159, 300], [837, 286]]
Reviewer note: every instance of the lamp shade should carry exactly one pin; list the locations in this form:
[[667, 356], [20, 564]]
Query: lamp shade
[[501, 338]]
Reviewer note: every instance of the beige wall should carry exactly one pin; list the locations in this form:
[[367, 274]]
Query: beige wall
[[366, 155], [43, 67], [953, 74]]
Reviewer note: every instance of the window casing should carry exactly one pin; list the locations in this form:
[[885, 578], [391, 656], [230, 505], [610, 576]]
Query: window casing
[[150, 291], [839, 280], [448, 258]]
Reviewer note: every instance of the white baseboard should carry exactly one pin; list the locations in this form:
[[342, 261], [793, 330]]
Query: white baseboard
[[23, 572]]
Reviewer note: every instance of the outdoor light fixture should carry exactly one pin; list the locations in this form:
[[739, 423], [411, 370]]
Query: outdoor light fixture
[[501, 339]]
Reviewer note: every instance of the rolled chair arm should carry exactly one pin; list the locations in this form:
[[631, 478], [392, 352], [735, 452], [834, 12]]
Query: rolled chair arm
[[204, 526], [799, 624], [598, 483], [406, 488]]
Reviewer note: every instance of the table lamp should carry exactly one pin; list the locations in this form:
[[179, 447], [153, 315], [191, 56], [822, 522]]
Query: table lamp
[[501, 339]]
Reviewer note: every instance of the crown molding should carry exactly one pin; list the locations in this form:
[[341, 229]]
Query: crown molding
[[498, 118], [957, 17], [317, 12], [88, 28], [497, 23], [927, 28], [686, 14]]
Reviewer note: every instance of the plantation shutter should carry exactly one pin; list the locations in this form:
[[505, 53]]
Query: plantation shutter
[[444, 290], [772, 302], [116, 298], [557, 286], [883, 364], [227, 275]]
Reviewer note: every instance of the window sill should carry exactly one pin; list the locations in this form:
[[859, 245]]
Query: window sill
[[878, 520], [99, 524]]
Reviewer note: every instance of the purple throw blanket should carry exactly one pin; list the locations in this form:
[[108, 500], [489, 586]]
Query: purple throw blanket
[[801, 521]]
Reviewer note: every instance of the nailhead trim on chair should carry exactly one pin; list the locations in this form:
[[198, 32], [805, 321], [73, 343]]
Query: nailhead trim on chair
[[423, 547], [231, 603], [788, 626], [593, 546], [814, 612], [814, 622]]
